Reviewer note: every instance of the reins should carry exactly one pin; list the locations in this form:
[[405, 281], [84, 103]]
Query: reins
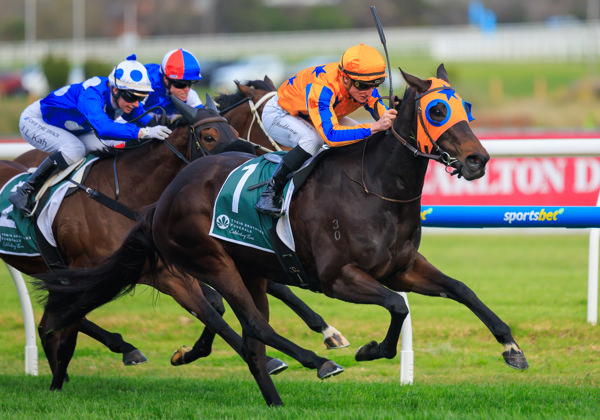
[[255, 117], [363, 183], [443, 156], [113, 203]]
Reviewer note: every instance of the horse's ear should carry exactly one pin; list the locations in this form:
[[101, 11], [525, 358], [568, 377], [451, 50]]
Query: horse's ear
[[189, 113], [441, 73], [246, 90], [210, 104], [414, 82], [268, 81]]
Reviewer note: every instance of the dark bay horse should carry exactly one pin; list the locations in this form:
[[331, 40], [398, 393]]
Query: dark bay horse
[[142, 175], [243, 110], [86, 230], [359, 244]]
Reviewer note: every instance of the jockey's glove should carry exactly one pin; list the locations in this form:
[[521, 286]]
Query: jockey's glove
[[159, 132]]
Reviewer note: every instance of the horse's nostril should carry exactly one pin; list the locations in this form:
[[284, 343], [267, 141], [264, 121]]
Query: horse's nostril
[[475, 161]]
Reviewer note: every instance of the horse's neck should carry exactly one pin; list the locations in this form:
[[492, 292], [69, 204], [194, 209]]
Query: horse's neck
[[153, 165]]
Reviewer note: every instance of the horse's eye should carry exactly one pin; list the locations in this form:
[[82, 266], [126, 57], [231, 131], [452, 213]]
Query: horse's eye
[[437, 112]]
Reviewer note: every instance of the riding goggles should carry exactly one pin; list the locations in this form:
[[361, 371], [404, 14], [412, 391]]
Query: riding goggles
[[181, 84], [130, 96], [360, 85]]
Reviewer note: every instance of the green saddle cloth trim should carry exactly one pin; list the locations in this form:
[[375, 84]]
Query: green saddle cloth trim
[[234, 217], [17, 232]]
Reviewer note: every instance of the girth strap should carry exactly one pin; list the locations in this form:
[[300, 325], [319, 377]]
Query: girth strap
[[108, 202]]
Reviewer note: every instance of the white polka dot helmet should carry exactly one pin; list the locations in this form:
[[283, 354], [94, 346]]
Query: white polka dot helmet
[[131, 75]]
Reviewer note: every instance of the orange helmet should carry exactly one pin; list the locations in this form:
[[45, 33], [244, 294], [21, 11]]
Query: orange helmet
[[363, 63]]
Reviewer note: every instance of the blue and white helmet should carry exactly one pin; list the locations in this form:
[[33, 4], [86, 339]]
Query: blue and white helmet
[[131, 75]]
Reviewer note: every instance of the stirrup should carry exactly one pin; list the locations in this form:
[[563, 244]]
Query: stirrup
[[22, 201]]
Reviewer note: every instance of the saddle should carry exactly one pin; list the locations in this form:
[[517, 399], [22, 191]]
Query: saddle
[[236, 220], [33, 236]]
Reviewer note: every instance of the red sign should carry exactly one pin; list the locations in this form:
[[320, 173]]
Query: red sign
[[572, 181]]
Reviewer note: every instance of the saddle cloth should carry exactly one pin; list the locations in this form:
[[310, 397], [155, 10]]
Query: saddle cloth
[[17, 232], [234, 217]]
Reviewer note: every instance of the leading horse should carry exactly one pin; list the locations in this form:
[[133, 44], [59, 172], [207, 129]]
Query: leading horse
[[359, 244]]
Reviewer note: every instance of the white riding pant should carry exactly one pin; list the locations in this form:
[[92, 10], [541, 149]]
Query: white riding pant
[[292, 131], [50, 139]]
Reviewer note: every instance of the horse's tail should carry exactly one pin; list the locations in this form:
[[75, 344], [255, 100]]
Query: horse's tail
[[72, 293]]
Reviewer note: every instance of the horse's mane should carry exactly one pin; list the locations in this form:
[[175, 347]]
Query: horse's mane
[[225, 100]]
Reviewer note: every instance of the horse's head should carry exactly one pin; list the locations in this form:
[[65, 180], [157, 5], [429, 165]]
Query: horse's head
[[209, 132], [443, 131], [247, 118], [256, 89]]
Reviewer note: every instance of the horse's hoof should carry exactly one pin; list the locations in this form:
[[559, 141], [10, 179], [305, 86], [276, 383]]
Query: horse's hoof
[[134, 357], [515, 359], [369, 351], [328, 369], [334, 339], [178, 357], [275, 366]]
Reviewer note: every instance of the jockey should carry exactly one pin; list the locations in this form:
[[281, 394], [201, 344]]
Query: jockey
[[175, 76], [70, 121], [311, 109]]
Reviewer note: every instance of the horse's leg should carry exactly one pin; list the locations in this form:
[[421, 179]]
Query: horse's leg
[[425, 279], [203, 346], [58, 347], [115, 343], [355, 286], [66, 348], [332, 338], [46, 338], [227, 280], [192, 296], [255, 349]]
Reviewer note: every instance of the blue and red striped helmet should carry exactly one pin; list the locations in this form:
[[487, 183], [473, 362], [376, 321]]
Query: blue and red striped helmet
[[180, 64]]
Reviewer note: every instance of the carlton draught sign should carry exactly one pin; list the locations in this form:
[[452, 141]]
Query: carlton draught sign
[[572, 181]]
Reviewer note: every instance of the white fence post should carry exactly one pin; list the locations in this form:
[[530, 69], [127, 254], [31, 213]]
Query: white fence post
[[407, 355], [31, 351]]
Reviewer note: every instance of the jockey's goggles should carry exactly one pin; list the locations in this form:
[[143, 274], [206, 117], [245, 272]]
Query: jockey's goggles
[[181, 84], [360, 85], [130, 96]]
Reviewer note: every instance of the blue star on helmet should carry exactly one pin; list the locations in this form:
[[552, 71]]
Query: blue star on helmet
[[449, 92], [319, 70], [291, 80]]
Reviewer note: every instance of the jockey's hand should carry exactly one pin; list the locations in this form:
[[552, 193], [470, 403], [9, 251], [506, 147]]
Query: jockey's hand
[[385, 122], [159, 132]]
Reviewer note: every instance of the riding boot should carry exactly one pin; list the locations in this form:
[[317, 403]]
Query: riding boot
[[22, 198], [270, 200]]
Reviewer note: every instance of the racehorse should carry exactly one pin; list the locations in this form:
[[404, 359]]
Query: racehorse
[[243, 110], [86, 230], [208, 133], [359, 244]]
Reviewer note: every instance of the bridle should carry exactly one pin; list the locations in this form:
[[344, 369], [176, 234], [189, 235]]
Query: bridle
[[442, 156], [197, 149], [254, 107], [255, 117]]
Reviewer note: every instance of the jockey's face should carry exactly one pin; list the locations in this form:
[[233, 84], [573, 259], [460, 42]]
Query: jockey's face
[[360, 96], [122, 104], [178, 89]]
